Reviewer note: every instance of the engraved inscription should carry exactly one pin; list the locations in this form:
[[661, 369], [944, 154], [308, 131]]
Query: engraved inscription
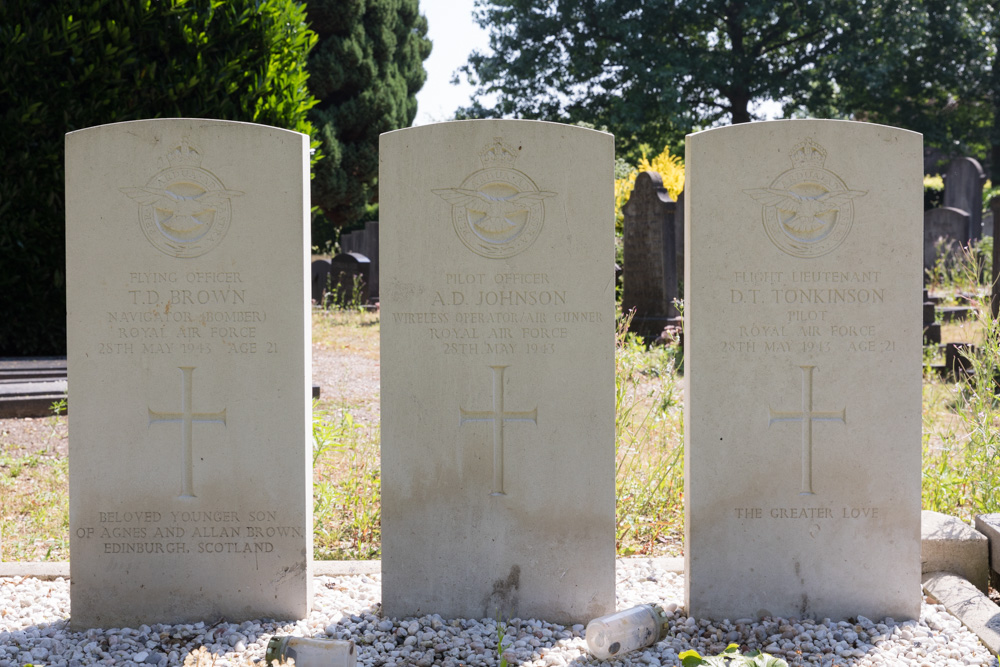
[[808, 513], [184, 210], [808, 210], [468, 316], [497, 416], [497, 211], [187, 312], [151, 532], [818, 312], [187, 418], [807, 415]]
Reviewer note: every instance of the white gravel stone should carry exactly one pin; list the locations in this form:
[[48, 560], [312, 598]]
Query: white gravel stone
[[34, 628]]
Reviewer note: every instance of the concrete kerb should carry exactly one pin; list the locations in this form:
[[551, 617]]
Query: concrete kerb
[[967, 603], [321, 568]]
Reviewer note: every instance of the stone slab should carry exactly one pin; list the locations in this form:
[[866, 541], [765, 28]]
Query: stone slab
[[963, 189], [803, 370], [946, 231], [650, 278], [497, 344], [189, 363], [975, 610], [949, 544], [321, 568], [989, 525]]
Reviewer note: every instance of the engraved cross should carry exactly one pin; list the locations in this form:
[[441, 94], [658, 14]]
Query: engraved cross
[[187, 418], [498, 416], [807, 415]]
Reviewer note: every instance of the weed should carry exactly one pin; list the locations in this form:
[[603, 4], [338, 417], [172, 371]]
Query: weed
[[501, 635], [731, 657], [649, 450], [347, 509], [345, 297]]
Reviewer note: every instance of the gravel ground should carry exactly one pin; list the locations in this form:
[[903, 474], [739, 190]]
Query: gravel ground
[[33, 628]]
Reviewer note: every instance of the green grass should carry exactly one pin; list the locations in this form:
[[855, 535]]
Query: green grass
[[649, 448], [347, 507], [34, 495]]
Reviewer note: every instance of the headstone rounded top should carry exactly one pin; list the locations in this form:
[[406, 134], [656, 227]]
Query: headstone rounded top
[[499, 188], [193, 122], [350, 258]]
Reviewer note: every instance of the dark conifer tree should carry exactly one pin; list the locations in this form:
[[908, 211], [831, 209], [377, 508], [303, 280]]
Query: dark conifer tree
[[366, 71]]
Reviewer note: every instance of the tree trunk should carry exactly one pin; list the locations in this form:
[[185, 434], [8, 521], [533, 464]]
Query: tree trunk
[[740, 104]]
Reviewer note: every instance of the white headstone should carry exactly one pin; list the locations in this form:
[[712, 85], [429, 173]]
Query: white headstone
[[497, 299], [189, 345], [803, 371]]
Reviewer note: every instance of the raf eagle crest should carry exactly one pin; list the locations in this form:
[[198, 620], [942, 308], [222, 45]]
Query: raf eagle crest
[[808, 210], [184, 210], [497, 211]]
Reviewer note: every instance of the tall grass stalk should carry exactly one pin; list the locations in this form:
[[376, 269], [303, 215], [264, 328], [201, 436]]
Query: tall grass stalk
[[649, 449], [961, 466], [347, 508]]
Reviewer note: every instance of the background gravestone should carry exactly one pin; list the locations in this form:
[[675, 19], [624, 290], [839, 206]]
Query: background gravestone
[[188, 358], [803, 371], [947, 228], [497, 344], [349, 278], [994, 293], [963, 189], [679, 234], [650, 267], [320, 282], [365, 242]]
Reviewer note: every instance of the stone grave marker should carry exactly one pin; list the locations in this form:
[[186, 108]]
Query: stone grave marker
[[349, 278], [803, 371], [946, 230], [994, 292], [497, 346], [650, 266], [679, 234], [188, 357], [320, 283], [963, 189], [365, 242]]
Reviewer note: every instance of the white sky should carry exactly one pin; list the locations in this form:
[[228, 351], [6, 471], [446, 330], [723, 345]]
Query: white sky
[[455, 35]]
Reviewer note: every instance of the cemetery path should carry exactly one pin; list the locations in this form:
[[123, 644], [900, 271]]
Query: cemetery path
[[45, 435], [348, 378], [349, 381]]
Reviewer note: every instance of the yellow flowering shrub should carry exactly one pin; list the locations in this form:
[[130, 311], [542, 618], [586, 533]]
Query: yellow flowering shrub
[[669, 167]]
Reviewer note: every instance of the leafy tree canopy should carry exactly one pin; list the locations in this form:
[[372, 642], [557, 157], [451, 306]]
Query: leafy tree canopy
[[925, 65], [73, 64], [653, 70], [366, 71], [650, 70]]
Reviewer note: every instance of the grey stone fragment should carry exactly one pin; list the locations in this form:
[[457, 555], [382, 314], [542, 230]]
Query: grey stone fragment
[[949, 544]]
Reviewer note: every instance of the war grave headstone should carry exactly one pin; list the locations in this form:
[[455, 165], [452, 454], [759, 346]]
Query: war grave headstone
[[963, 189], [650, 267], [803, 371], [946, 232], [188, 358], [497, 347]]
